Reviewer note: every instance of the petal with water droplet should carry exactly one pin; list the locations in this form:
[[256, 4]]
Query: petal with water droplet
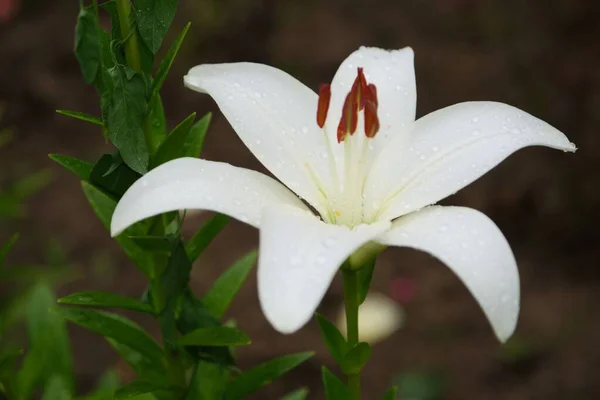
[[298, 258], [191, 183], [470, 139], [474, 248], [279, 126]]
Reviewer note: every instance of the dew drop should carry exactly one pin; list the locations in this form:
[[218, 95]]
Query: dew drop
[[296, 260], [329, 242], [237, 202], [435, 148], [476, 132]]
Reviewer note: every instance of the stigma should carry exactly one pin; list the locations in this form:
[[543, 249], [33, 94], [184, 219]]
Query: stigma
[[362, 97]]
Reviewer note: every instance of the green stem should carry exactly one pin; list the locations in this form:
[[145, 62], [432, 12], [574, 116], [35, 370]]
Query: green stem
[[351, 299], [132, 48]]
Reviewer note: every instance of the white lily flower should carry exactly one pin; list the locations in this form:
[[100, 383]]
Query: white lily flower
[[356, 155]]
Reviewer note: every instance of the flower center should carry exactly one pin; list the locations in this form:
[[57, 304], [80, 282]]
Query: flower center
[[346, 199]]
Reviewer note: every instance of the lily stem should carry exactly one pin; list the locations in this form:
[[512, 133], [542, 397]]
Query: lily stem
[[351, 299], [132, 47]]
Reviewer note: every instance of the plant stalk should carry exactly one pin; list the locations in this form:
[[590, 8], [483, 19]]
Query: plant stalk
[[351, 299], [132, 47]]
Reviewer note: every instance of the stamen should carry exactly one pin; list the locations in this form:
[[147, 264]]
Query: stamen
[[371, 104], [323, 104], [349, 120]]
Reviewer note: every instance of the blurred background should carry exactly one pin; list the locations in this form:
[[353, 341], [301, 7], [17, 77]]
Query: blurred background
[[541, 56]]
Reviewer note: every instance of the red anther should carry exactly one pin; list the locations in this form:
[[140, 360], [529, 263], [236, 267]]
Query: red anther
[[323, 104], [371, 104], [362, 88], [349, 120]]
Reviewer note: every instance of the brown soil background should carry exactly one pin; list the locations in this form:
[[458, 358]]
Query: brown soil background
[[541, 56]]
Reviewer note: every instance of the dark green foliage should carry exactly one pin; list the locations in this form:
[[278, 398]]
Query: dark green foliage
[[154, 18]]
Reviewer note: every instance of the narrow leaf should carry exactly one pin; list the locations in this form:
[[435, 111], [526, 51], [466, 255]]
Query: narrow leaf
[[215, 336], [174, 146], [356, 358], [300, 394], [103, 299], [116, 327], [208, 382], [81, 116], [167, 62], [257, 377], [88, 47], [222, 293], [365, 275], [112, 175], [390, 394], [104, 206], [336, 344], [144, 367], [57, 389], [154, 18], [139, 388], [157, 120], [81, 168], [177, 274], [335, 389], [206, 235], [126, 114], [6, 246], [153, 244]]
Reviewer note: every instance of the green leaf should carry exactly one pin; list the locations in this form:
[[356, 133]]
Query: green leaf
[[300, 394], [103, 299], [208, 381], [112, 175], [206, 235], [6, 246], [194, 315], [222, 293], [167, 62], [356, 358], [106, 387], [154, 18], [153, 244], [81, 168], [81, 116], [115, 24], [126, 114], [174, 145], [138, 388], [336, 344], [390, 394], [365, 275], [425, 385], [88, 47], [215, 336], [177, 274], [335, 389], [57, 389], [104, 206], [144, 366], [257, 377], [157, 120], [49, 347], [116, 327]]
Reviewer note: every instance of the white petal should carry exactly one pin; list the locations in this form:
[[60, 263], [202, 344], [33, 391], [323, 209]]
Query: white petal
[[393, 74], [275, 116], [298, 258], [378, 318], [472, 246], [449, 149], [190, 183]]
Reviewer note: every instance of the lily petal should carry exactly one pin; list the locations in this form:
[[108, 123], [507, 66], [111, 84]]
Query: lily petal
[[449, 149], [298, 258], [472, 246], [393, 74], [275, 116], [191, 183]]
